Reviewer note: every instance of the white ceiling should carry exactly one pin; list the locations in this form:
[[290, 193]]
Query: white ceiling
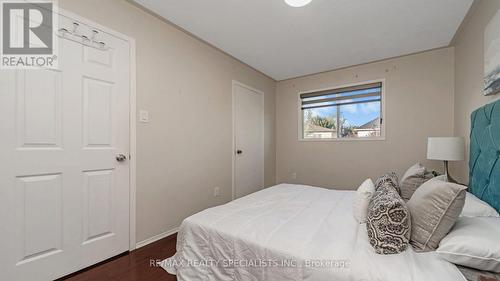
[[285, 42]]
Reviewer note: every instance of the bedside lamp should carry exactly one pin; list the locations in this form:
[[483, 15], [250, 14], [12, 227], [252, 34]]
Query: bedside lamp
[[446, 149]]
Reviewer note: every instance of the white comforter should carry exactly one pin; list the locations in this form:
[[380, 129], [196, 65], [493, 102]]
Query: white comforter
[[292, 232]]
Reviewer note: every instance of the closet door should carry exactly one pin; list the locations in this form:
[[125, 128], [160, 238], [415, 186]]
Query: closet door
[[248, 120], [64, 160]]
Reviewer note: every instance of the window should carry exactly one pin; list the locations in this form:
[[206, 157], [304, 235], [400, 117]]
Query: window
[[346, 113]]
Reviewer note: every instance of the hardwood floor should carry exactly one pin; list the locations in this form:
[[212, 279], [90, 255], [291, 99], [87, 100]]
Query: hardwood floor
[[133, 266]]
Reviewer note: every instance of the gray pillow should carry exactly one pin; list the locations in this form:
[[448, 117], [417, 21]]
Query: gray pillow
[[388, 221], [388, 180], [434, 207], [410, 184]]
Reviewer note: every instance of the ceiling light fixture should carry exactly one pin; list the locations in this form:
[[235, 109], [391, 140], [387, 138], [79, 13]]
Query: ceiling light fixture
[[297, 3]]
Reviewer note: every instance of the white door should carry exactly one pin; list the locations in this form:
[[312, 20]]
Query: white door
[[248, 114], [64, 196]]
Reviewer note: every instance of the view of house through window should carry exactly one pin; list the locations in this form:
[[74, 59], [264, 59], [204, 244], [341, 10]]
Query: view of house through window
[[350, 112]]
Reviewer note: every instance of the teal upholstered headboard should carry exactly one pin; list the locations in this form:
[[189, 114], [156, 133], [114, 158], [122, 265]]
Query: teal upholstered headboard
[[484, 163]]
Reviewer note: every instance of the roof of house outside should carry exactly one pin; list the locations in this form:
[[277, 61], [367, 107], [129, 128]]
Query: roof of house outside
[[316, 128], [373, 124]]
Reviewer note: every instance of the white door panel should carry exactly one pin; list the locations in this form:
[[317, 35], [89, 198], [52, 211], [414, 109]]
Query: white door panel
[[42, 229], [248, 139], [39, 108], [64, 198]]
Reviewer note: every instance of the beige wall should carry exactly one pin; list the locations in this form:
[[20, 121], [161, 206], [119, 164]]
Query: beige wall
[[185, 151], [469, 70], [419, 103]]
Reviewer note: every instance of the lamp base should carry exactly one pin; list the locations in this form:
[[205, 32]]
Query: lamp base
[[447, 173]]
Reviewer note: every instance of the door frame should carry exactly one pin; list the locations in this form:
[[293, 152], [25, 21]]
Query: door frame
[[233, 149], [132, 119]]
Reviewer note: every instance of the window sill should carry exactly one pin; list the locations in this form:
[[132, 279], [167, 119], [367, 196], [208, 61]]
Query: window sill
[[342, 139]]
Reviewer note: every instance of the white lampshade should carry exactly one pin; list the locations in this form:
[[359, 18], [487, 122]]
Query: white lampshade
[[447, 149]]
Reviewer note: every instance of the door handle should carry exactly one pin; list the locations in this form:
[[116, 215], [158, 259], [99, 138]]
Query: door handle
[[121, 157], [239, 151]]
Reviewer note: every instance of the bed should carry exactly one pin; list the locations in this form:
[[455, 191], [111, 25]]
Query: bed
[[298, 232], [302, 232]]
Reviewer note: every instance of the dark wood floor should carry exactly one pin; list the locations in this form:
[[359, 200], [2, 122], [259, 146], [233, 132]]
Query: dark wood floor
[[136, 265], [133, 266]]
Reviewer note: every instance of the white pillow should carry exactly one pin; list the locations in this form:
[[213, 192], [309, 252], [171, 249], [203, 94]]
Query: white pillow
[[416, 169], [362, 199], [475, 207], [474, 243]]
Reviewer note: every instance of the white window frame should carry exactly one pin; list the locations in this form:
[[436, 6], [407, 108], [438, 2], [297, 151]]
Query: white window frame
[[383, 128]]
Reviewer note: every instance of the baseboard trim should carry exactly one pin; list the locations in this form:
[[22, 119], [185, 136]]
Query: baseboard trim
[[156, 237]]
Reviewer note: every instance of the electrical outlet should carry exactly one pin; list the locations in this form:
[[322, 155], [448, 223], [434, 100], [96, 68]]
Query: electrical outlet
[[294, 176], [216, 191]]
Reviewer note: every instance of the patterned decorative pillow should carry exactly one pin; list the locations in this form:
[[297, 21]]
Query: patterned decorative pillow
[[389, 179], [410, 184], [388, 222]]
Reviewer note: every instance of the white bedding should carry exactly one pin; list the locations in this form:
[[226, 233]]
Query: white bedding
[[292, 232]]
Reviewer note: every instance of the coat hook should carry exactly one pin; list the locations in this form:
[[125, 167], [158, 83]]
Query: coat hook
[[63, 31], [94, 34], [75, 26]]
